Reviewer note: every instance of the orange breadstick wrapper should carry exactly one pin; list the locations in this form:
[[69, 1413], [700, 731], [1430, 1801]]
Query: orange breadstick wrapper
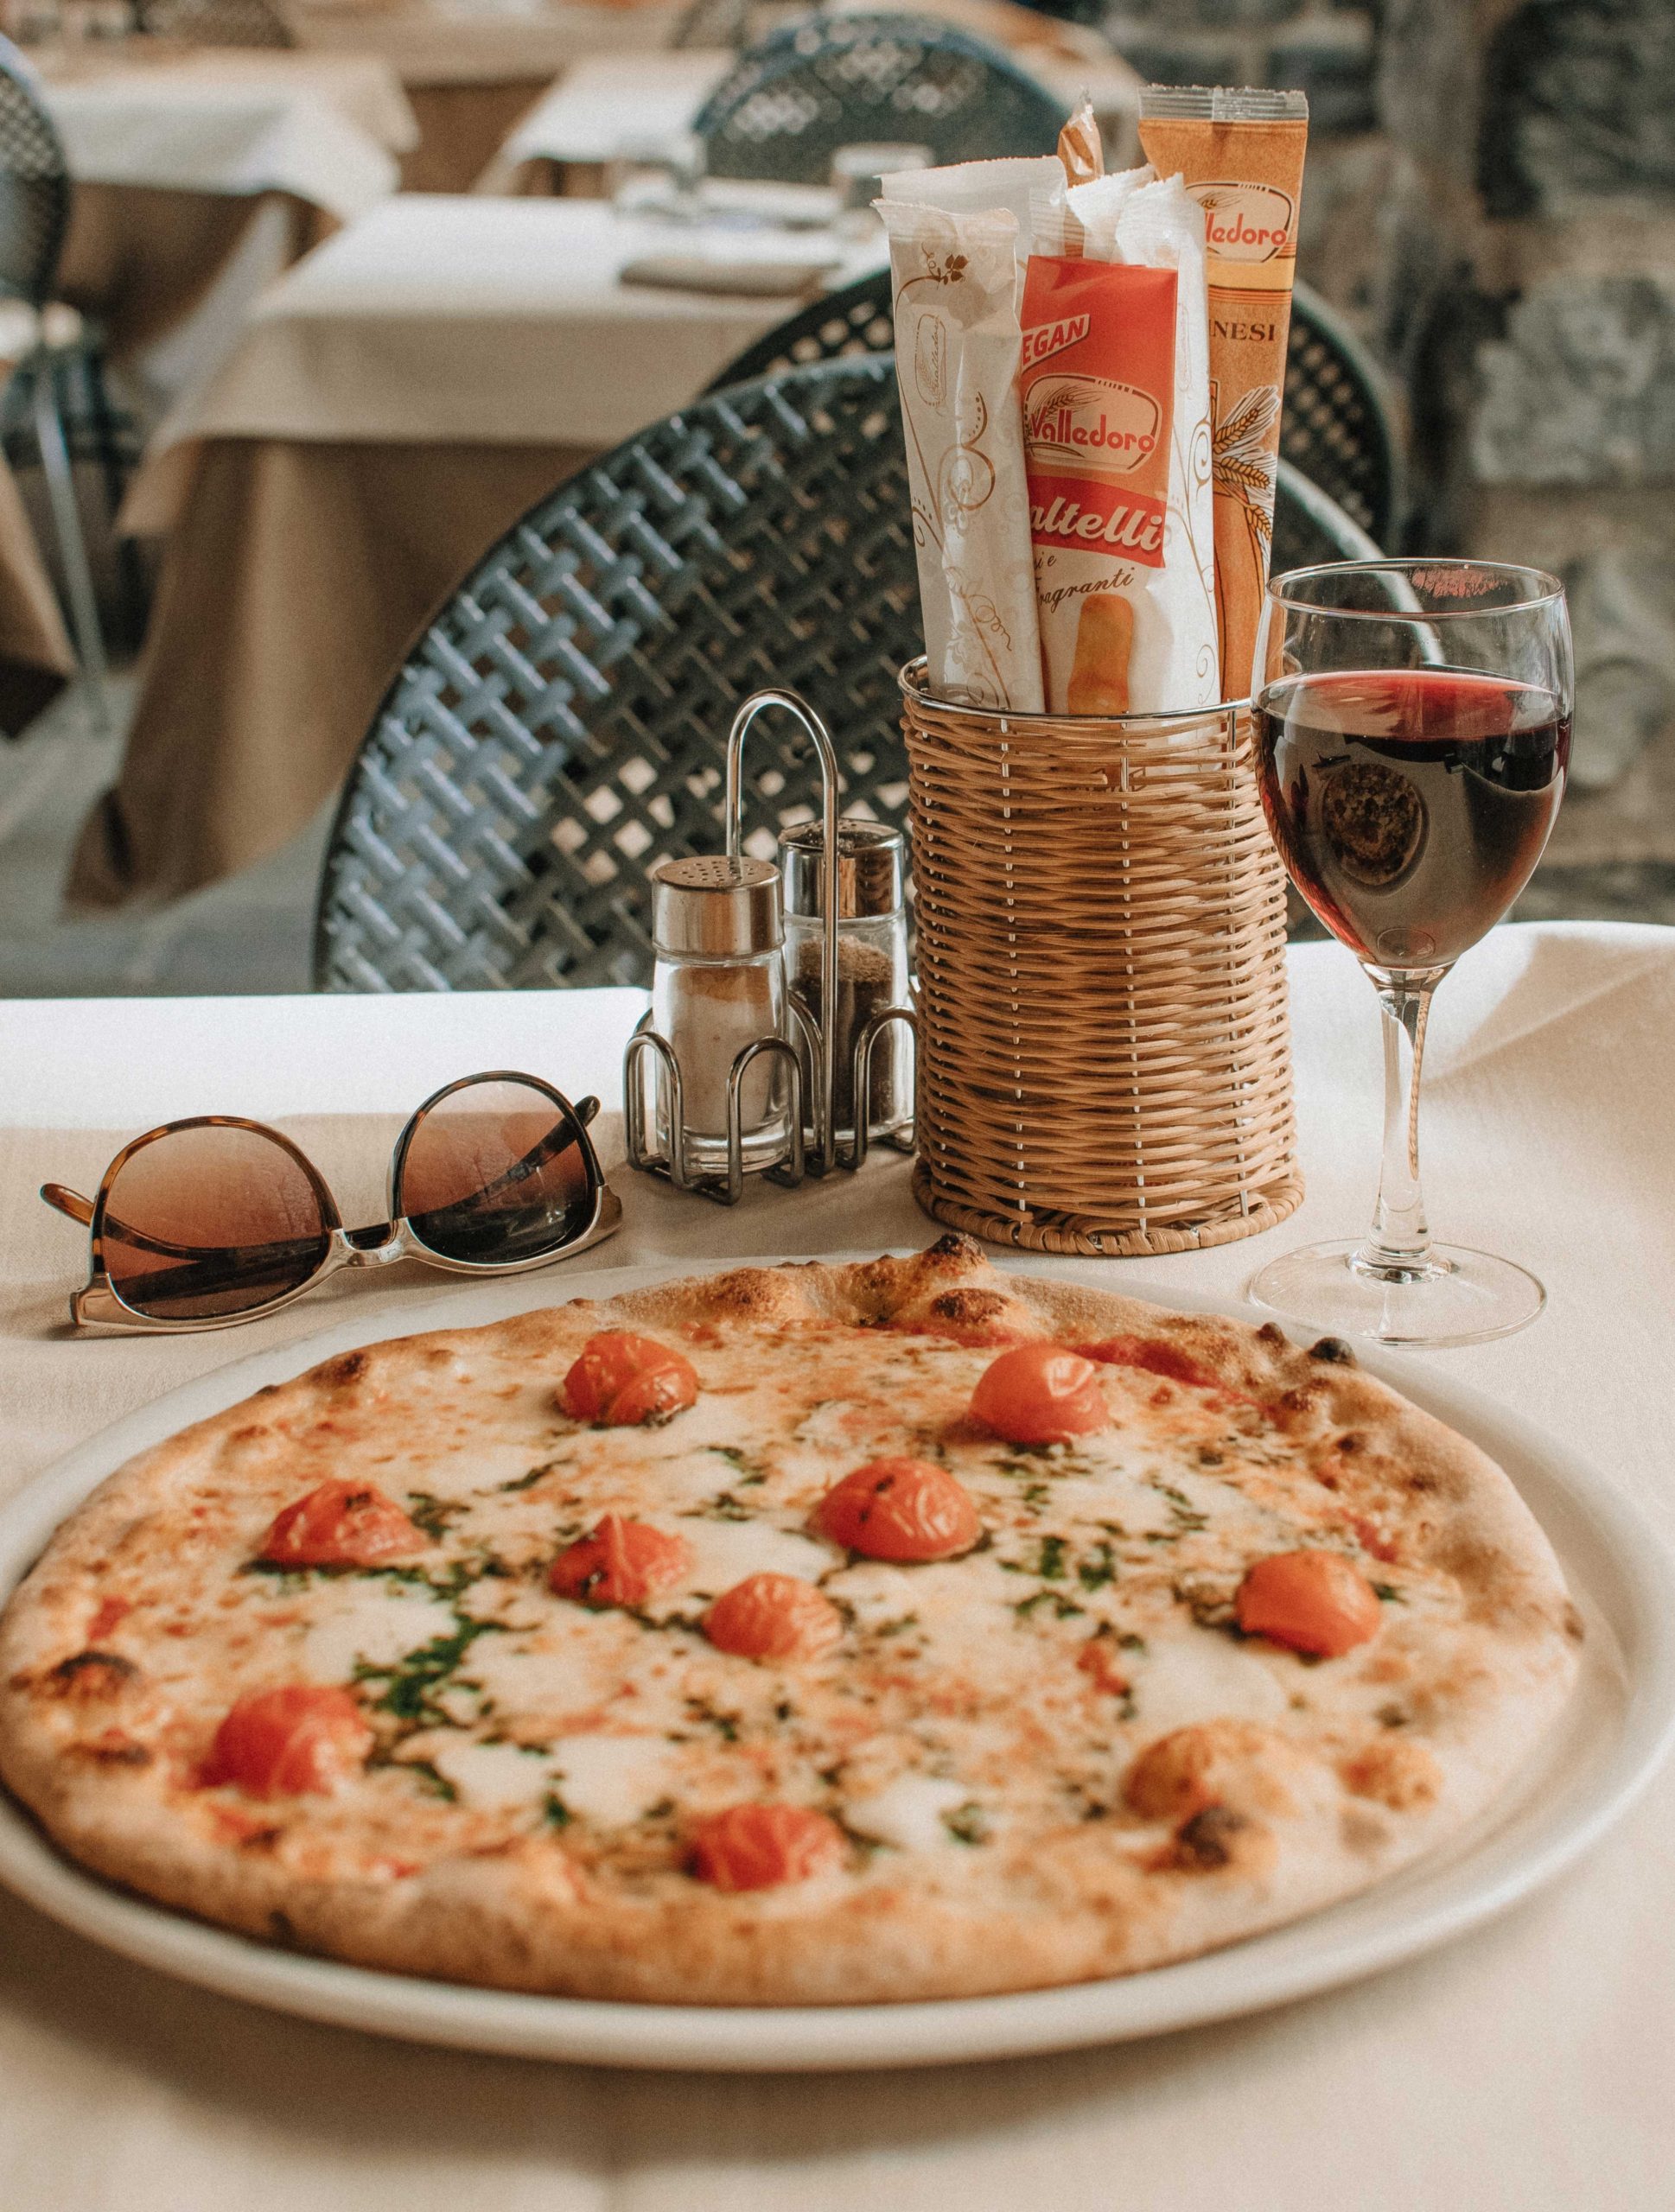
[[1097, 384], [1241, 154]]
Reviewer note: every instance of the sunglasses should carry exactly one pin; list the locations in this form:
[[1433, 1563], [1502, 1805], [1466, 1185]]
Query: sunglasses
[[203, 1224]]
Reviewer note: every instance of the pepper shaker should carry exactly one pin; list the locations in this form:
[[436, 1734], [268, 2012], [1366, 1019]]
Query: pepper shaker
[[717, 985], [872, 958]]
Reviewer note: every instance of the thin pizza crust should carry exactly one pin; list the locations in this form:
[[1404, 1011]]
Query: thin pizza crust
[[1095, 1840]]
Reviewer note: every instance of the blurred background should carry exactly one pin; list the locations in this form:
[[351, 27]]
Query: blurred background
[[1489, 213]]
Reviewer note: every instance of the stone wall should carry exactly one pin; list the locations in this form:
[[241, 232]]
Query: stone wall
[[1491, 200]]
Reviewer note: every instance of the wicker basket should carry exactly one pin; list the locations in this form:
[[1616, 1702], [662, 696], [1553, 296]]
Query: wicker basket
[[1104, 1044]]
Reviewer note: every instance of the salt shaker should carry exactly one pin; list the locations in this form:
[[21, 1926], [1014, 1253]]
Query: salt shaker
[[717, 985], [872, 958]]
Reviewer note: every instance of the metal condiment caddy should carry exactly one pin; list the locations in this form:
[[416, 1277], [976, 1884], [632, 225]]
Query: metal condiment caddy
[[811, 1144]]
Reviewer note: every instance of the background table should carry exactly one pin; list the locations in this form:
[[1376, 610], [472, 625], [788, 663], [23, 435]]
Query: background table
[[397, 401], [471, 72], [199, 175], [1523, 2069]]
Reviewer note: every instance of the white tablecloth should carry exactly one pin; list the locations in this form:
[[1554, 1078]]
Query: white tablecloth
[[610, 106], [324, 129], [1527, 2069], [474, 321]]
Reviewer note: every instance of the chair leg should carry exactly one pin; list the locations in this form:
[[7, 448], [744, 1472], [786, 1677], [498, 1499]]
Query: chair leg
[[114, 461], [72, 545]]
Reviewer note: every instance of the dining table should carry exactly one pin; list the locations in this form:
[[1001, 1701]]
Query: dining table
[[394, 403], [1524, 2067], [200, 172], [472, 68]]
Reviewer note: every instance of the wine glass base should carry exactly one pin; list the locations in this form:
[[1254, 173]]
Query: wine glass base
[[1459, 1297]]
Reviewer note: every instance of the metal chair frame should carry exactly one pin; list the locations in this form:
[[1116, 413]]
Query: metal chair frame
[[854, 320], [561, 724], [1340, 422]]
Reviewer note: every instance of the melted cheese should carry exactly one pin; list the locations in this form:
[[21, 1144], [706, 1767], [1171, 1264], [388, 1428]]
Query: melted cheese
[[493, 1775], [725, 1552], [1197, 1673], [377, 1622], [909, 1812], [614, 1779]]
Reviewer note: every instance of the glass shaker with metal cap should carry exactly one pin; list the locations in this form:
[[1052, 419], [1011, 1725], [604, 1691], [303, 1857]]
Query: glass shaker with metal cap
[[717, 985], [872, 958]]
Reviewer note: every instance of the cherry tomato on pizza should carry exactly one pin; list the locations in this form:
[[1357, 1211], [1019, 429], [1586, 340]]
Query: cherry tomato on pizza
[[773, 1616], [761, 1847], [903, 1509], [289, 1742], [1041, 1393], [622, 1380], [341, 1524], [623, 1563], [1313, 1601]]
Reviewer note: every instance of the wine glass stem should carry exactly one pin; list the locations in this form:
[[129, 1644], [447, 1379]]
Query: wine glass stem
[[1397, 1248]]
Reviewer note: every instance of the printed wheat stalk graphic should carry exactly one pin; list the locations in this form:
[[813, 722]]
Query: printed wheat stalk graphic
[[1244, 469]]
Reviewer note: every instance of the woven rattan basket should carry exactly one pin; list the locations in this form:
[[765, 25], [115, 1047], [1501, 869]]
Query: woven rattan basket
[[1104, 1053]]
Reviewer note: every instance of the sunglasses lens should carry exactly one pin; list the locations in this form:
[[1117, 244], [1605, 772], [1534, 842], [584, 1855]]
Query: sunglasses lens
[[496, 1171], [210, 1221]]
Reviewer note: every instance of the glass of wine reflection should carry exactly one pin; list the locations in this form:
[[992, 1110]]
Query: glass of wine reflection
[[1413, 726]]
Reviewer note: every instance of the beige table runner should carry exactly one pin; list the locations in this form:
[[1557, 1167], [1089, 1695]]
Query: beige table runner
[[1523, 2069]]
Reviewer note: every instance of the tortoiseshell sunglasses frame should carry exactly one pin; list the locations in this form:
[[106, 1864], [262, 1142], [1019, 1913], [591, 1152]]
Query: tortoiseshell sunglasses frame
[[379, 1244]]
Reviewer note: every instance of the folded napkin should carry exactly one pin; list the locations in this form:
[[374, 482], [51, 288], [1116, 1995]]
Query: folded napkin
[[746, 277]]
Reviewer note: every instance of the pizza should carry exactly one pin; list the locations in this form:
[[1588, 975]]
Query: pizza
[[802, 1635]]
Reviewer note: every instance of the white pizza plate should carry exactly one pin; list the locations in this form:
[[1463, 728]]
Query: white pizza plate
[[1616, 1732]]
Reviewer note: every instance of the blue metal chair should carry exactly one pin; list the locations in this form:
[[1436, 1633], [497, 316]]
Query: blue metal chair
[[560, 725], [829, 81]]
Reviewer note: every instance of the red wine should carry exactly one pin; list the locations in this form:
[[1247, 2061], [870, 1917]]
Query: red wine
[[1411, 805]]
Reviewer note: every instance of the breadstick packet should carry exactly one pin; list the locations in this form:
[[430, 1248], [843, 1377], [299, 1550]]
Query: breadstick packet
[[1115, 389], [956, 239], [1241, 154]]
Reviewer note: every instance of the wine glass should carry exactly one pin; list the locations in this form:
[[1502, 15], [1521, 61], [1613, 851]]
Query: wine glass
[[1413, 727]]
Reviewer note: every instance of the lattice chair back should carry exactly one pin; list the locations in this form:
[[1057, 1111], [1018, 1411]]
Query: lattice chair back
[[561, 726], [35, 185], [1339, 425], [829, 81], [214, 22], [844, 325]]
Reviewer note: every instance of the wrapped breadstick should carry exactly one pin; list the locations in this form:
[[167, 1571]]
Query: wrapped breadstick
[[955, 237], [1116, 414], [1241, 154], [1080, 150]]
